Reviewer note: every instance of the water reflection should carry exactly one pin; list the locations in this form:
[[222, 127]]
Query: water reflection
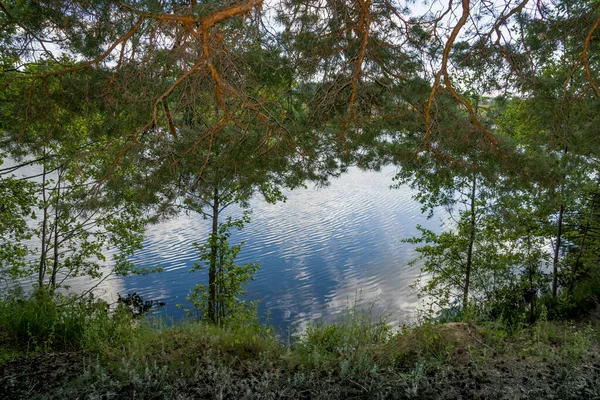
[[320, 252]]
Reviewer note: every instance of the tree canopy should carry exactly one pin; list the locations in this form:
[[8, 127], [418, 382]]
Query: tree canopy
[[133, 104]]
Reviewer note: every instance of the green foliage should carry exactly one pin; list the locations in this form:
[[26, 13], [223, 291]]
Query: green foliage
[[508, 263], [16, 207], [46, 321], [230, 277], [357, 356], [577, 304], [137, 111], [353, 335], [59, 200]]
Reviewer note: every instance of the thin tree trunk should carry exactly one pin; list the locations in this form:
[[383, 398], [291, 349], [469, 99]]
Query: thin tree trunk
[[212, 271], [558, 240], [221, 287], [556, 252], [471, 242], [531, 293], [56, 217], [576, 263], [42, 267]]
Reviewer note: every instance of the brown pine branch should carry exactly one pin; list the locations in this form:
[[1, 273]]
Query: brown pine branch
[[364, 25], [584, 57], [204, 23], [443, 73], [172, 129]]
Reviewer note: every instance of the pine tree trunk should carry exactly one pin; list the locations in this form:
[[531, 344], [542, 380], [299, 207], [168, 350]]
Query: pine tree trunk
[[212, 271], [471, 242]]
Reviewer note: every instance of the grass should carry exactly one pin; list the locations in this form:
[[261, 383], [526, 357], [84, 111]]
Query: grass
[[60, 348]]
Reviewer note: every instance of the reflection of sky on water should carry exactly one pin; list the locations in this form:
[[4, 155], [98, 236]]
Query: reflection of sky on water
[[107, 289], [320, 252]]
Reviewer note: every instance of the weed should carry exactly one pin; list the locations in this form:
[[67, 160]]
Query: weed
[[357, 356]]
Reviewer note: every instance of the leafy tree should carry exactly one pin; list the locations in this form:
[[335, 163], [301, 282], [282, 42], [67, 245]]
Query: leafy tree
[[207, 104], [16, 207], [61, 160], [221, 186], [547, 167], [222, 301], [209, 172]]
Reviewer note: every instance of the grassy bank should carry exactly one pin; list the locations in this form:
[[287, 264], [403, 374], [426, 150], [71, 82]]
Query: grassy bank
[[63, 348]]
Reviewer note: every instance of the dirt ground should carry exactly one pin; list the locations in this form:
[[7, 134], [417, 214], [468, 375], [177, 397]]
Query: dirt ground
[[24, 377]]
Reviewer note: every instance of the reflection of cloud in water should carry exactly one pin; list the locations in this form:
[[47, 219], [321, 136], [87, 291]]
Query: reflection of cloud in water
[[108, 287], [169, 244]]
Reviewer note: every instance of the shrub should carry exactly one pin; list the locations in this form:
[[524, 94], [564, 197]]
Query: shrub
[[46, 320]]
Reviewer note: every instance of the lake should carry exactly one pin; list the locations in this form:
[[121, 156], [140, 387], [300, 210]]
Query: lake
[[322, 251]]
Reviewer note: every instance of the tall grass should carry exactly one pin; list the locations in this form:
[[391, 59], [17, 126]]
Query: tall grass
[[48, 321]]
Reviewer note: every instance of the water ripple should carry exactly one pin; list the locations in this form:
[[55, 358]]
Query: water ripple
[[323, 250]]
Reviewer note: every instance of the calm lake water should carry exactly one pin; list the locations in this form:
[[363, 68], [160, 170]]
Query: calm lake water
[[321, 252]]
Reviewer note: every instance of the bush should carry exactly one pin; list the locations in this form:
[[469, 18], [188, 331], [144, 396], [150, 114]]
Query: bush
[[46, 320], [583, 299], [353, 336]]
